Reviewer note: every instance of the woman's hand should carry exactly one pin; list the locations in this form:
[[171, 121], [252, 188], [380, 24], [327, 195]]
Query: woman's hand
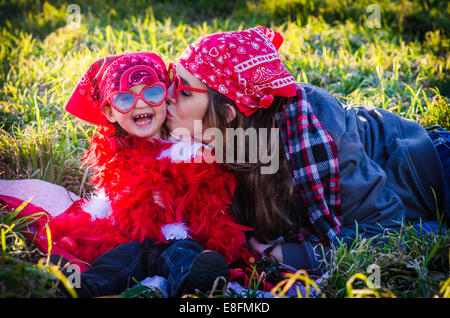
[[276, 253]]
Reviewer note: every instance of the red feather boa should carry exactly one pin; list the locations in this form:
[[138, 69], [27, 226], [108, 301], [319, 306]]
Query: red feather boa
[[197, 194]]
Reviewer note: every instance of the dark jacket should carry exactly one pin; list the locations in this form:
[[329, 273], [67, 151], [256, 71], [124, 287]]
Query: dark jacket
[[389, 169]]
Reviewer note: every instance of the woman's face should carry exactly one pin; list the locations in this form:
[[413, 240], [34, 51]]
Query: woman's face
[[143, 120], [188, 107]]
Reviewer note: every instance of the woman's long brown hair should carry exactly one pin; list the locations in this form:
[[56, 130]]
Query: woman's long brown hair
[[261, 201]]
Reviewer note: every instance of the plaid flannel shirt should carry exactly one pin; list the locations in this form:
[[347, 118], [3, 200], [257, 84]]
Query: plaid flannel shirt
[[312, 156]]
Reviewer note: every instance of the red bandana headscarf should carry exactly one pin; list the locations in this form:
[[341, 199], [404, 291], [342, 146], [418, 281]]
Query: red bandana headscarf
[[110, 74], [245, 67], [242, 65]]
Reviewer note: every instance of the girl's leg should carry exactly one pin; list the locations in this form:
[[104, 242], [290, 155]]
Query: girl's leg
[[173, 262], [111, 273], [187, 266], [184, 263]]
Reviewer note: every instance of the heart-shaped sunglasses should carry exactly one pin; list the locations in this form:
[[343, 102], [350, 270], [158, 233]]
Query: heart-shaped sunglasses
[[177, 87], [153, 95]]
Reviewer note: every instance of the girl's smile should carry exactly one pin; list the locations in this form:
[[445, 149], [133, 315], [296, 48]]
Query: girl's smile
[[143, 120]]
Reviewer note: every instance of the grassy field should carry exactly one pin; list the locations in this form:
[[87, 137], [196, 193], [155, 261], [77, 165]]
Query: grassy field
[[392, 55]]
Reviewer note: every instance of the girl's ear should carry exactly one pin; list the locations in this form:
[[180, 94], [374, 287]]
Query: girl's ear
[[230, 113], [107, 111]]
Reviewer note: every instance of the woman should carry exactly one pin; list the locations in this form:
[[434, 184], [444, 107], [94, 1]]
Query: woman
[[343, 171]]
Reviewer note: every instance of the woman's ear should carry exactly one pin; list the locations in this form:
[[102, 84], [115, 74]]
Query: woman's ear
[[230, 113], [107, 111]]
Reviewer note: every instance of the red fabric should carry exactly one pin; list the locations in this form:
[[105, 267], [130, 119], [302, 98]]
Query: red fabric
[[36, 230], [110, 74], [197, 194], [242, 65]]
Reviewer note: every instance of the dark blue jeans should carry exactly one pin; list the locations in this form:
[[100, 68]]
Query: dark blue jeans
[[114, 271], [441, 141]]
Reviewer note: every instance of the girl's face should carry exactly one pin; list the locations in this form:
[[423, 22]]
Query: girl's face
[[188, 107], [143, 120]]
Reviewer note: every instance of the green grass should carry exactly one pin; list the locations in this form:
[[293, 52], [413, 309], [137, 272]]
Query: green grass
[[411, 265], [403, 66]]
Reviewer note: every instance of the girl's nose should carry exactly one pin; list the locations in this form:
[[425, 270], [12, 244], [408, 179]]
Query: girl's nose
[[140, 103]]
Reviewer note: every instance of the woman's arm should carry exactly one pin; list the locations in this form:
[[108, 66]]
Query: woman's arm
[[299, 255], [276, 253]]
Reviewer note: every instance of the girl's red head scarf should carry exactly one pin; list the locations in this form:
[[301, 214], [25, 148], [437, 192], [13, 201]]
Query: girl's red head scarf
[[110, 74]]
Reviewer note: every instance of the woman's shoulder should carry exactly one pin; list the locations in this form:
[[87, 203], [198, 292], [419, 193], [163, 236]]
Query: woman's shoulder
[[317, 95], [327, 108]]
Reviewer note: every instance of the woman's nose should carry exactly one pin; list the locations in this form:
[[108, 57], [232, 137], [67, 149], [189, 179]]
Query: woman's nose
[[170, 97]]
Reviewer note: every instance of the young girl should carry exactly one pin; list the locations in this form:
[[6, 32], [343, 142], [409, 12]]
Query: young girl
[[155, 211], [343, 172]]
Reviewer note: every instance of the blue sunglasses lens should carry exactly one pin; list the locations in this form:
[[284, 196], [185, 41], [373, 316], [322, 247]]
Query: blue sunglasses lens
[[123, 101], [154, 95]]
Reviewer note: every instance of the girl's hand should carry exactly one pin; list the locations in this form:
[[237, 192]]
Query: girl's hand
[[276, 253]]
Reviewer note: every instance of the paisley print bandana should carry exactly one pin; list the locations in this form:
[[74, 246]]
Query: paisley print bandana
[[242, 65]]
